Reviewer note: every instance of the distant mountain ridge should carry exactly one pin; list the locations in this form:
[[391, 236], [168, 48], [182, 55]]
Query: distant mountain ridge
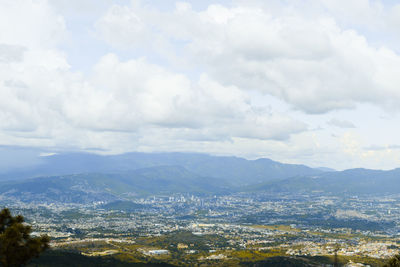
[[237, 170], [93, 187], [80, 177], [83, 178], [352, 181]]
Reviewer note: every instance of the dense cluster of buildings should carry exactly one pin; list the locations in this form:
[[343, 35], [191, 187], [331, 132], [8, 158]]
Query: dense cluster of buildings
[[296, 225]]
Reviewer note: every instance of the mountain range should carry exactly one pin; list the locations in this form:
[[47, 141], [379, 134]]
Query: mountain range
[[236, 170], [352, 181], [84, 177]]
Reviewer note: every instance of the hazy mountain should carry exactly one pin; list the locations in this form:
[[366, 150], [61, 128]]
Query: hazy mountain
[[353, 181], [236, 170], [325, 169], [81, 188], [82, 177], [166, 180]]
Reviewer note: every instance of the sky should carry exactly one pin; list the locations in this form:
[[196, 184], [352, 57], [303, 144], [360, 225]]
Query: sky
[[310, 82]]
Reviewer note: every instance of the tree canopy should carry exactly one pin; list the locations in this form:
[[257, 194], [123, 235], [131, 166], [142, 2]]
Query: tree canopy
[[17, 246], [393, 262]]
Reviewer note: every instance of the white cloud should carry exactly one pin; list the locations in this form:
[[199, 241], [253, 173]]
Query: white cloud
[[380, 148], [11, 53], [127, 96], [122, 27], [341, 123], [32, 24], [311, 63], [44, 103], [254, 78]]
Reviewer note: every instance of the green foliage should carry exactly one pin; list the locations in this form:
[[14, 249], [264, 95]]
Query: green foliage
[[288, 262], [393, 262], [17, 246], [66, 258], [202, 243]]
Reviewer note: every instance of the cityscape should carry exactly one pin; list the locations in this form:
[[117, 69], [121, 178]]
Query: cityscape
[[225, 229]]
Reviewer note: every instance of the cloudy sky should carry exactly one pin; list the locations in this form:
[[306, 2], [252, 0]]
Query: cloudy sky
[[312, 82]]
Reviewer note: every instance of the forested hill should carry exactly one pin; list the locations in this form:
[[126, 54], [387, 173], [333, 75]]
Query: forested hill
[[352, 181], [91, 178], [237, 170]]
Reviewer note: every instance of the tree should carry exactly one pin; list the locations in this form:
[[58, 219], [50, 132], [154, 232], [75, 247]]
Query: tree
[[336, 259], [17, 246], [393, 262]]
